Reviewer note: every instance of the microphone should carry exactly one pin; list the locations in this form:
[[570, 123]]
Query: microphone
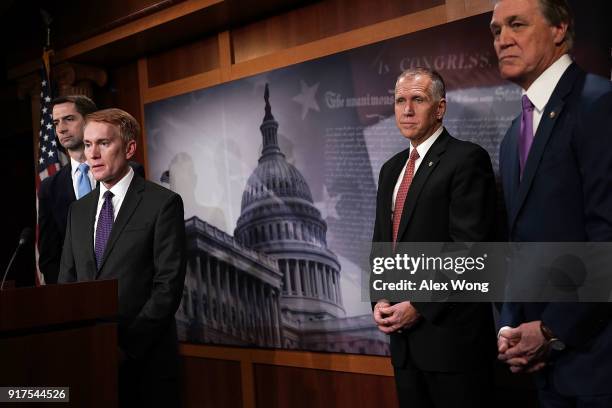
[[23, 238]]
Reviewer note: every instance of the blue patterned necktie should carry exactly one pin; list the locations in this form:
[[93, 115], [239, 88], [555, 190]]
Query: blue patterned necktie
[[104, 228], [84, 187]]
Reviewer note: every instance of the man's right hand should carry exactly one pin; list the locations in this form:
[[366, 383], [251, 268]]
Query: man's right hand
[[391, 319], [505, 340]]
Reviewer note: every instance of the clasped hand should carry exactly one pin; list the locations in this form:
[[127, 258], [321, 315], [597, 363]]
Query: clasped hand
[[523, 348], [392, 318]]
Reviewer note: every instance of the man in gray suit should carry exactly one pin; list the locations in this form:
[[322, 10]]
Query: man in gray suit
[[132, 230]]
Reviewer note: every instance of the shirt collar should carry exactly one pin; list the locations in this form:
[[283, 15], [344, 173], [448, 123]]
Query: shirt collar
[[120, 189], [542, 88], [423, 148], [74, 165]]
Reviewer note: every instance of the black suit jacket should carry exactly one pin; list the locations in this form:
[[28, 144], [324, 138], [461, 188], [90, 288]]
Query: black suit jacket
[[146, 253], [566, 195], [55, 195], [451, 198]]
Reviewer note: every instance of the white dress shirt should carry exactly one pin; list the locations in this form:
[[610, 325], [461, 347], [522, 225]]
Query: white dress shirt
[[119, 190], [542, 88], [422, 149]]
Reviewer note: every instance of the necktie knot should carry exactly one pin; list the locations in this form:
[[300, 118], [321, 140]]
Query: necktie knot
[[108, 195], [84, 168], [414, 155], [527, 105]]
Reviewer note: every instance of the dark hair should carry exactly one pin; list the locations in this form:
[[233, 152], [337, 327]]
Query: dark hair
[[438, 88], [82, 103], [557, 12], [128, 126]]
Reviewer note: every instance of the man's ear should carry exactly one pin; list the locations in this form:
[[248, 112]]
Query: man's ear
[[559, 33], [130, 149], [441, 109]]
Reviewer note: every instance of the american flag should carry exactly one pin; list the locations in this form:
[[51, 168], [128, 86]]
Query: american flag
[[48, 153], [49, 156]]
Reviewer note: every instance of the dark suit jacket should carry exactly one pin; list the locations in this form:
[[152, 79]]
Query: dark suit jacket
[[451, 200], [146, 253], [55, 195], [566, 195]]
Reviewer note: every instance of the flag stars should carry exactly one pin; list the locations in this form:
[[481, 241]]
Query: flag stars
[[51, 153], [49, 126], [47, 99], [307, 98], [44, 82], [41, 160]]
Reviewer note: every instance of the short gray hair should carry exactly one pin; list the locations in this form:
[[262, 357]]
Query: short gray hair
[[437, 87]]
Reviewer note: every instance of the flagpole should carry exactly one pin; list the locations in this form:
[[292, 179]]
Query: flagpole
[[46, 164]]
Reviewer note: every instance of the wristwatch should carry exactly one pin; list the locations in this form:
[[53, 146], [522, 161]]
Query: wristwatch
[[553, 342]]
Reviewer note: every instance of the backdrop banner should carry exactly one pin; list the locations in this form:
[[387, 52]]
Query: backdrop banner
[[278, 174]]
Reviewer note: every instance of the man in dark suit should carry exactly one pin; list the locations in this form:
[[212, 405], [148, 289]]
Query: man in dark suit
[[72, 181], [440, 189], [556, 171], [61, 189], [132, 230]]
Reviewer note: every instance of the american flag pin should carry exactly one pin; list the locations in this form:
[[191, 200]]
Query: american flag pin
[[552, 114], [430, 164]]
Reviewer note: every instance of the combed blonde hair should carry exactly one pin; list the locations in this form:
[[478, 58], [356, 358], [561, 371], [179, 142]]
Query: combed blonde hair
[[129, 128]]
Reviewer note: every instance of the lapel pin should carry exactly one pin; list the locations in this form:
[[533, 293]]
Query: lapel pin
[[552, 114], [430, 164]]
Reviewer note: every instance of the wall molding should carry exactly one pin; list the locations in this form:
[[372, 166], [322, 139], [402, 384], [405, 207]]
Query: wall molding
[[228, 71]]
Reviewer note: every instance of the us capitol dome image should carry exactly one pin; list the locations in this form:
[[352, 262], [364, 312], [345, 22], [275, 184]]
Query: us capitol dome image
[[275, 283]]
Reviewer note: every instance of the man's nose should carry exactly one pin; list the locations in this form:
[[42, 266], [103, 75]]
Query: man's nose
[[408, 109], [505, 38], [92, 152]]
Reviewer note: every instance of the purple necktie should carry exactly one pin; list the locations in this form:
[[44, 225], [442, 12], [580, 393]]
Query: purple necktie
[[105, 225], [526, 136]]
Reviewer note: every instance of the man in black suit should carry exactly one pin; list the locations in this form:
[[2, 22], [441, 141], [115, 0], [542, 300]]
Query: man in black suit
[[132, 230], [440, 189], [556, 171], [71, 182], [61, 189]]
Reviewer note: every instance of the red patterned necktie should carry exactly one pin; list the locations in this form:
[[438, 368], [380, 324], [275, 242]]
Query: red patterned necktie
[[400, 199]]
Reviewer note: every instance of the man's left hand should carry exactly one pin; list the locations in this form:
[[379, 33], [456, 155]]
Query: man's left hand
[[528, 353], [399, 316]]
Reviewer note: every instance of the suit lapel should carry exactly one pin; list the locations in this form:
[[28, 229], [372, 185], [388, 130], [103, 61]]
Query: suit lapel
[[511, 172], [550, 116], [129, 205], [427, 166], [67, 192]]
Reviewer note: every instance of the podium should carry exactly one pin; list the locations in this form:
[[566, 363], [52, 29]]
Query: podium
[[61, 336]]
